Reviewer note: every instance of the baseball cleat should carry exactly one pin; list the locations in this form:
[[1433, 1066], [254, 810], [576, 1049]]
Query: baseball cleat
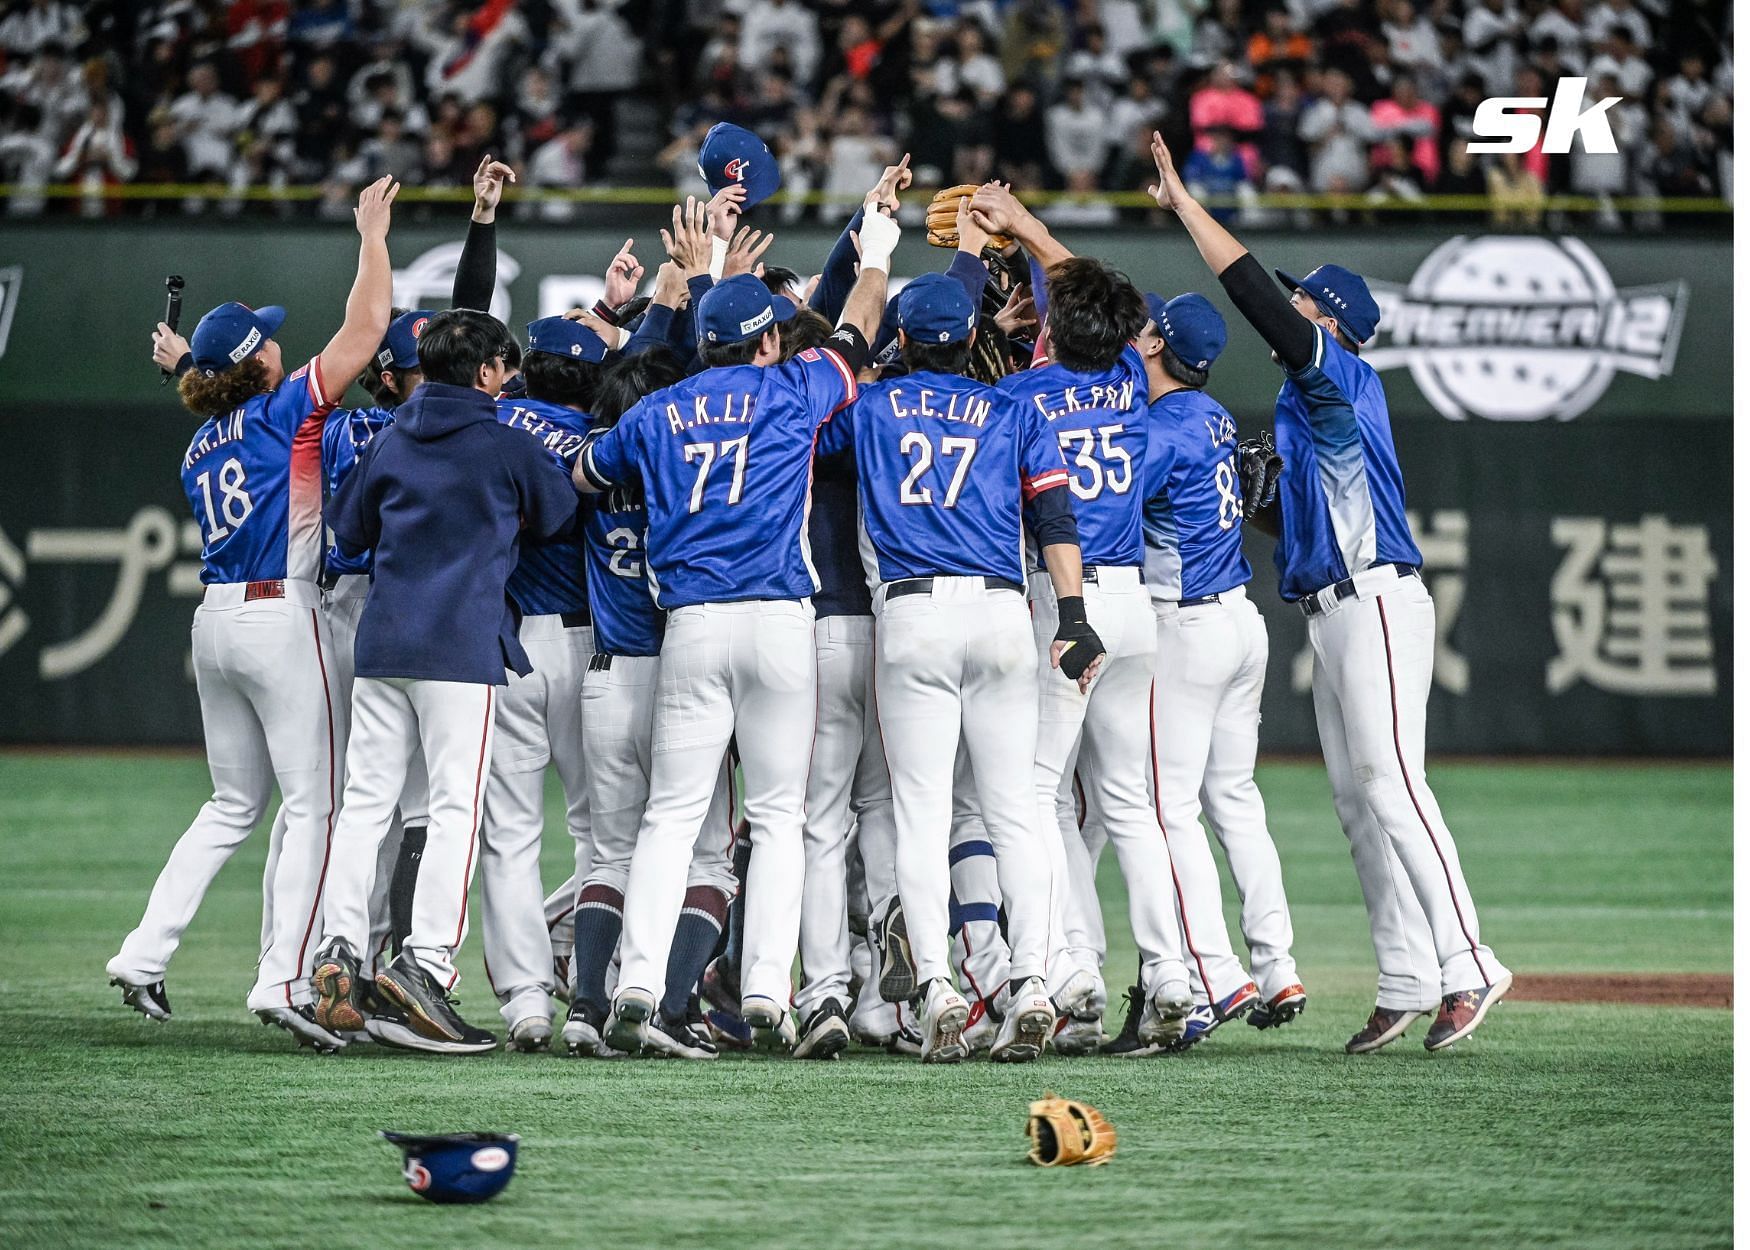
[[727, 1030], [677, 1039], [336, 981], [721, 986], [1204, 1020], [146, 997], [1027, 1025], [431, 1012], [942, 1023], [908, 1042], [825, 1034], [582, 1035], [899, 976], [773, 1026], [530, 1035], [1165, 1014], [1461, 1013], [981, 1029], [627, 1018], [1128, 1045], [300, 1022], [1383, 1027], [1077, 1037], [1083, 996], [1281, 1008]]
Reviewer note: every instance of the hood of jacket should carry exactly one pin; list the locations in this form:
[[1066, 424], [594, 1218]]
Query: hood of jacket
[[437, 409]]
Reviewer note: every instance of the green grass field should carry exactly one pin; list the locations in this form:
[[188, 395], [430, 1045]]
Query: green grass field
[[1587, 1125]]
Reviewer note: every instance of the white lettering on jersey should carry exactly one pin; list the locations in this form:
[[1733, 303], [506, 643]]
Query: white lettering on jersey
[[225, 430], [969, 409], [735, 409], [1096, 395]]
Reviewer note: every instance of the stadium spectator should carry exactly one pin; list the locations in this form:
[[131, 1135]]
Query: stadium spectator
[[1217, 170], [1076, 138], [1405, 115], [1337, 131], [38, 24]]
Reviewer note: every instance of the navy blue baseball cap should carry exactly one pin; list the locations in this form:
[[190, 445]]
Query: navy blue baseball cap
[[934, 308], [400, 346], [735, 309], [1341, 294], [560, 336], [731, 154], [783, 307], [1193, 328], [231, 334], [456, 1167]]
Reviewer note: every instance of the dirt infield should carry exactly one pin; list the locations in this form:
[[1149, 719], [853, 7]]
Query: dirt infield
[[1646, 989]]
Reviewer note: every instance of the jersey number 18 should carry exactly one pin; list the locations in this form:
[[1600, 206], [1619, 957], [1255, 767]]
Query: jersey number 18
[[234, 502]]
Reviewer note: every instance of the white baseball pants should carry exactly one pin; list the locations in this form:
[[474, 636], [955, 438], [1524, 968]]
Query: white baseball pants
[[1209, 687], [1103, 736], [746, 670], [539, 721], [452, 723], [847, 784], [960, 659], [264, 669], [1373, 663]]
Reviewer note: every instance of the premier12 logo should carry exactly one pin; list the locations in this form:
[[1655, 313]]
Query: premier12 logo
[[1510, 131]]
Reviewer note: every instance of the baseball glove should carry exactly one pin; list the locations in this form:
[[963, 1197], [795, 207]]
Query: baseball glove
[[1259, 467], [942, 217], [1065, 1132]]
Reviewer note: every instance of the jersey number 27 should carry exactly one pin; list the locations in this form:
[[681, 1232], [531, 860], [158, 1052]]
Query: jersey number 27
[[959, 450]]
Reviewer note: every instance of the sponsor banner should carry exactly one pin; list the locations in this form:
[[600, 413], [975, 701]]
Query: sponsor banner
[[1503, 328], [1583, 585]]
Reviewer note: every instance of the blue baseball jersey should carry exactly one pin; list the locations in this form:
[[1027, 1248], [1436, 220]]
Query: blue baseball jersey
[[1192, 517], [1100, 421], [833, 535], [1342, 493], [548, 578], [726, 457], [944, 464], [627, 620], [253, 478], [345, 435]]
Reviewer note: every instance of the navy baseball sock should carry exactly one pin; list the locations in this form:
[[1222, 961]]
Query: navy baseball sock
[[401, 884], [599, 916], [695, 937]]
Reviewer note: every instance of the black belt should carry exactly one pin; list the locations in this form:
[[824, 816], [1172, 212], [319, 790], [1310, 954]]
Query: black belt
[[1091, 572], [600, 662], [1345, 589], [924, 585], [575, 620], [1199, 601]]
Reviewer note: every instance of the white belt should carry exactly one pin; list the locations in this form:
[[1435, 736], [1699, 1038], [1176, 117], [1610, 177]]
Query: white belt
[[299, 594]]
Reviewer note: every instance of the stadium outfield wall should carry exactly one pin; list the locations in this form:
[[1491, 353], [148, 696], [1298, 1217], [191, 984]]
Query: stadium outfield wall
[[1554, 398]]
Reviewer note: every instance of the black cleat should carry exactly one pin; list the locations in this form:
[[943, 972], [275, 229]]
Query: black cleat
[[433, 1021], [899, 977], [676, 1039], [1127, 1045], [826, 1033], [147, 998], [336, 980]]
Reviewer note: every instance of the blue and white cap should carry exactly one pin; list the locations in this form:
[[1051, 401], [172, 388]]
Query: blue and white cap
[[735, 309], [231, 334], [400, 346], [1193, 328], [456, 1167], [934, 308], [1341, 294], [731, 154], [560, 336]]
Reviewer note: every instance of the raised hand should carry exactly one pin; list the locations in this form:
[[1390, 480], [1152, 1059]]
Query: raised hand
[[624, 274], [372, 213], [745, 251], [671, 285], [893, 180], [608, 334], [489, 182], [168, 347], [974, 237], [996, 210], [1019, 313], [689, 246], [1169, 192], [723, 208]]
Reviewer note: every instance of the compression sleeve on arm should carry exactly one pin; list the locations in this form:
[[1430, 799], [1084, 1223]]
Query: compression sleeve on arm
[[838, 275], [477, 270], [852, 347], [1050, 518], [1254, 292], [653, 329]]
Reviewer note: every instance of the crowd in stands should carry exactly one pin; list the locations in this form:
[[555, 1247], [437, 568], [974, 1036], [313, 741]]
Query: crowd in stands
[[1372, 97]]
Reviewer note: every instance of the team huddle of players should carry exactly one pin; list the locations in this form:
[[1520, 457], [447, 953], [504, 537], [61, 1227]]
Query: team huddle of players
[[953, 579]]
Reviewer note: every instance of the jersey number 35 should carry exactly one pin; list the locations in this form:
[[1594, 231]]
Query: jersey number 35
[[1079, 447]]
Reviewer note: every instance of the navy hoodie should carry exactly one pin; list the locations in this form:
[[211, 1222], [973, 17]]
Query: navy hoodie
[[442, 496]]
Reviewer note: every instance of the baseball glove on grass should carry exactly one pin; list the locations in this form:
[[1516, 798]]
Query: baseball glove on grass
[[1066, 1132], [941, 219]]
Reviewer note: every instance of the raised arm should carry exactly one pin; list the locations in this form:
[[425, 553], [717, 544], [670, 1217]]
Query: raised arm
[[1292, 337], [999, 212], [367, 307], [839, 273], [477, 270], [875, 243]]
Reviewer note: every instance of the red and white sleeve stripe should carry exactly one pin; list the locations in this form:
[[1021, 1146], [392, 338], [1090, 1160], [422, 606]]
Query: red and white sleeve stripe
[[849, 378], [1031, 486]]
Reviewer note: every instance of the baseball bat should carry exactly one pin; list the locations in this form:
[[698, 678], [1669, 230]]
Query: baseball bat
[[172, 314]]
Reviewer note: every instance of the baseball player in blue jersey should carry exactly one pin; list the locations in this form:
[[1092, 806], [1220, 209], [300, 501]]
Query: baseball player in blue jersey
[[1346, 558], [726, 461], [442, 497], [944, 467], [263, 656], [1209, 679], [619, 700], [1091, 389], [539, 717]]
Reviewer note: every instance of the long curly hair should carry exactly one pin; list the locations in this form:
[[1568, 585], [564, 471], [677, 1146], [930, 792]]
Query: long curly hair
[[208, 396]]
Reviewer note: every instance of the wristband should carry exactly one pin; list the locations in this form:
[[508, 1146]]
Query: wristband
[[1072, 610], [183, 364], [719, 254]]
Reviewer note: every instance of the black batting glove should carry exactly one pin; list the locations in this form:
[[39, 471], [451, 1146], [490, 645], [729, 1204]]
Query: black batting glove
[[1082, 646]]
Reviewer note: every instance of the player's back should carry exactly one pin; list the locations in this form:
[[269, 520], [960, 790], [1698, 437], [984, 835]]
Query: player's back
[[627, 620], [1193, 510], [345, 435], [1341, 489], [1100, 420], [944, 463], [726, 458], [253, 479], [548, 578]]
